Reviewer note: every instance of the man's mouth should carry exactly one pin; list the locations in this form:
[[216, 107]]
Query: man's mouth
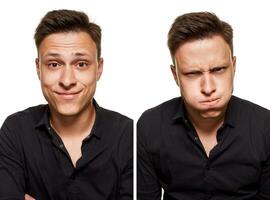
[[68, 95], [210, 102]]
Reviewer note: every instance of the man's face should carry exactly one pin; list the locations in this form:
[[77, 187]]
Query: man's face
[[204, 72], [68, 69]]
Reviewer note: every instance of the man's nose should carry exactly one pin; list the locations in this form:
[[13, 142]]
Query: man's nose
[[67, 78], [208, 85]]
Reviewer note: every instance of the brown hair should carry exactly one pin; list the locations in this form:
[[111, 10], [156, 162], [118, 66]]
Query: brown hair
[[197, 25], [60, 21]]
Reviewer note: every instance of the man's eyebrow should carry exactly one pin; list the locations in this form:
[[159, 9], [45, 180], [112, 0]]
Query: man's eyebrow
[[52, 54], [218, 66], [80, 54]]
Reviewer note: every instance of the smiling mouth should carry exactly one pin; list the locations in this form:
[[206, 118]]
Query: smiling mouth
[[68, 95]]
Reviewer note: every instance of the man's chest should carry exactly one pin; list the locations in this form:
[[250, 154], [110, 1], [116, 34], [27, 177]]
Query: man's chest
[[233, 163], [49, 171]]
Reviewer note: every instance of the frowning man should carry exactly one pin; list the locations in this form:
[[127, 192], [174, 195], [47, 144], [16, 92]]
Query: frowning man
[[206, 144]]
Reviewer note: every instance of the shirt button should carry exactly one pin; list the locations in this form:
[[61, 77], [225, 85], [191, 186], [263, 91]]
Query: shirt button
[[61, 146], [72, 177], [49, 130], [208, 166], [196, 139]]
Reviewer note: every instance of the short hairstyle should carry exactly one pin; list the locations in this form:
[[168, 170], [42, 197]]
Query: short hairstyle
[[62, 21], [197, 25]]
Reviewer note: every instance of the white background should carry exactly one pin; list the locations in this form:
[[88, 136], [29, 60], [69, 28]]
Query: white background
[[136, 71]]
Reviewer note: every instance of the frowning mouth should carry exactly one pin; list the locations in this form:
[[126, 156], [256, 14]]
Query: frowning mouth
[[210, 101]]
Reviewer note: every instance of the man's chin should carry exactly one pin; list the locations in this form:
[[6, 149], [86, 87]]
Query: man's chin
[[211, 113], [67, 111]]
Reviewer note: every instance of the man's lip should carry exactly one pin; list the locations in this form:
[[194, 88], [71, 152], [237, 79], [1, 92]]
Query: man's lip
[[67, 93], [210, 100]]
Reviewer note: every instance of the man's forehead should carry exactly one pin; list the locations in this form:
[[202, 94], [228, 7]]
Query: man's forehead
[[203, 52], [63, 44], [69, 39]]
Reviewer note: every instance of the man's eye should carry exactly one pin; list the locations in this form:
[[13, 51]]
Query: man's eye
[[53, 64], [82, 64], [218, 69], [193, 74]]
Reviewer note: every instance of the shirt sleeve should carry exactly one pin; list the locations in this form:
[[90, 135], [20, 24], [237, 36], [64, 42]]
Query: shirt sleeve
[[12, 181], [126, 150], [148, 185], [264, 190]]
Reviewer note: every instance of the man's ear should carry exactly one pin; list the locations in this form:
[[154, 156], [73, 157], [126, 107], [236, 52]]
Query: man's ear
[[100, 68], [173, 70], [234, 65], [37, 68]]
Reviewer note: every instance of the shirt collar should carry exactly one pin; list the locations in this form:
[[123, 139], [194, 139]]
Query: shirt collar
[[181, 113], [230, 115], [44, 121]]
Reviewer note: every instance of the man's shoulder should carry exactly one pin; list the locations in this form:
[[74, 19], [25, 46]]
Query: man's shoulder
[[249, 108], [32, 113], [167, 109], [114, 125], [113, 122], [20, 126], [113, 116]]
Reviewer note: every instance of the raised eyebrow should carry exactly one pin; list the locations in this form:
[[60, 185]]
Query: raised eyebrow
[[58, 55], [81, 54], [85, 56], [52, 55]]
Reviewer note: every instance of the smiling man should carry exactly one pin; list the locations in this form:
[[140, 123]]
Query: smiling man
[[71, 148], [206, 144]]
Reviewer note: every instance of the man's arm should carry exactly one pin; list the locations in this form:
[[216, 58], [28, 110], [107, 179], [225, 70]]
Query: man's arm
[[264, 190], [148, 185], [126, 187], [12, 181]]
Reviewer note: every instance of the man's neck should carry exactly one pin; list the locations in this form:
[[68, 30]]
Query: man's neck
[[78, 125], [206, 127]]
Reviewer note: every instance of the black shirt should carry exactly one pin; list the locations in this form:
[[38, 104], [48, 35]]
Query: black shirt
[[171, 156], [34, 160]]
